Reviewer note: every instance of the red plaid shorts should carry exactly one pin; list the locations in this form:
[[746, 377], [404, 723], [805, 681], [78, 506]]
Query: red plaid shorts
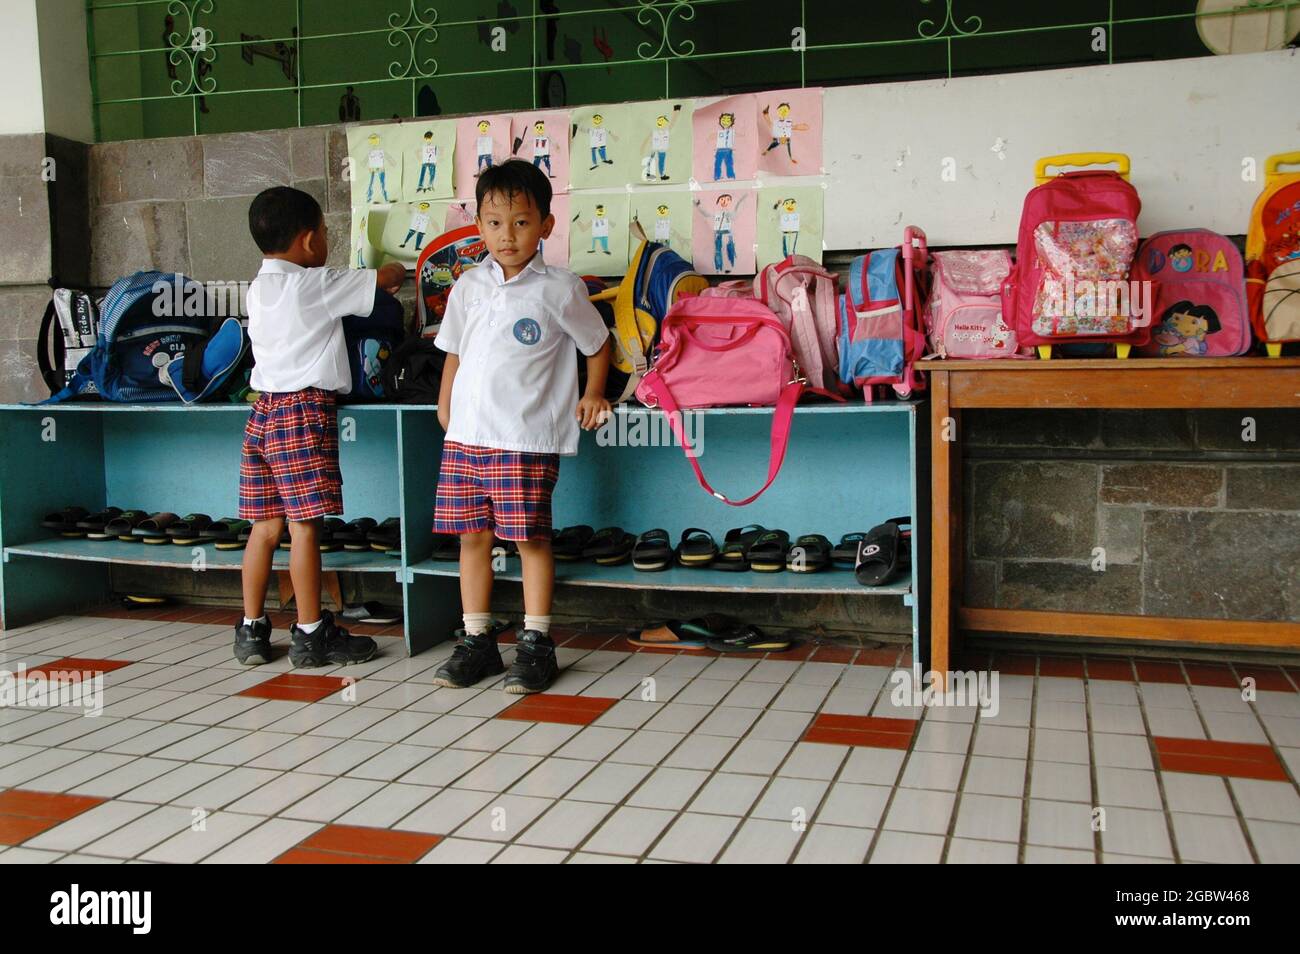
[[290, 462], [481, 488]]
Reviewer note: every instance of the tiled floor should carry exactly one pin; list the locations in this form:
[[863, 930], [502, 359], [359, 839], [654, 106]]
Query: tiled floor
[[637, 756]]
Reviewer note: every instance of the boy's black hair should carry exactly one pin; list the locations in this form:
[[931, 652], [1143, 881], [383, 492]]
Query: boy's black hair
[[515, 177], [279, 215]]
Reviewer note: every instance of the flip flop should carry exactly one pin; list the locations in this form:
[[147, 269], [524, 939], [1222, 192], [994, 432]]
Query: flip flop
[[353, 535], [65, 521], [846, 551], [685, 633], [609, 546], [696, 548], [189, 529], [749, 639], [446, 546], [568, 544], [122, 526], [884, 552], [810, 553], [153, 530], [226, 533], [652, 551], [372, 612], [735, 547], [95, 523], [387, 536], [329, 527], [768, 553]]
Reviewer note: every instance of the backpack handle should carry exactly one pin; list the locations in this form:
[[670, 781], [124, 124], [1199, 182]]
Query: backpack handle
[[1080, 159], [1271, 164], [50, 348]]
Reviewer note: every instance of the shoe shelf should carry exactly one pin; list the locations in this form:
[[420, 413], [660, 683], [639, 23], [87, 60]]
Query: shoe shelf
[[847, 468]]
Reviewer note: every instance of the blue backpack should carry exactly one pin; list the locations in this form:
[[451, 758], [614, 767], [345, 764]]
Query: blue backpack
[[371, 340], [143, 326]]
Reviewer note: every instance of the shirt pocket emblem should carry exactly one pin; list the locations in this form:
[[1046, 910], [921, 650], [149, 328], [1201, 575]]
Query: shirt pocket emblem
[[527, 331]]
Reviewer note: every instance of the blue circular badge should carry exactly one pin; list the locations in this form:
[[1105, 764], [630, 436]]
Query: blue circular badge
[[528, 331]]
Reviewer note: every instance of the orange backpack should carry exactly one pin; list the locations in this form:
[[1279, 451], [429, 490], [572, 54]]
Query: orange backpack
[[1273, 256]]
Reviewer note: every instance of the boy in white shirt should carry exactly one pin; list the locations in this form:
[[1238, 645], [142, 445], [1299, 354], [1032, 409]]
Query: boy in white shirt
[[510, 406], [289, 467]]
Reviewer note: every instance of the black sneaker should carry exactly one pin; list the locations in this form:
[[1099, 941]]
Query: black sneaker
[[474, 658], [253, 642], [535, 667], [329, 643]]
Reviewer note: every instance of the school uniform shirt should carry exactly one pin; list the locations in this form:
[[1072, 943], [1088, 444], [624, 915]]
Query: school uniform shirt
[[517, 384], [429, 154], [542, 146], [420, 222], [726, 138], [782, 128], [659, 140], [600, 227], [376, 159], [484, 144], [597, 137], [789, 221], [663, 229], [721, 221], [295, 324]]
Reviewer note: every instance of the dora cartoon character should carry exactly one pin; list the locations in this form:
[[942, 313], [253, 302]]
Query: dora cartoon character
[[1184, 328], [1180, 257]]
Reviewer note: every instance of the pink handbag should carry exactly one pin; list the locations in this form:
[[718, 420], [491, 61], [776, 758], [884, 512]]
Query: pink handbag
[[725, 352]]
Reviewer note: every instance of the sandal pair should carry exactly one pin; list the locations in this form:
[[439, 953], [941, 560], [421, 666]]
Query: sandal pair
[[654, 550], [715, 631], [608, 546]]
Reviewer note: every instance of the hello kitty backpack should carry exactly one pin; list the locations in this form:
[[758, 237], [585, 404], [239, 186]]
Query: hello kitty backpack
[[963, 316]]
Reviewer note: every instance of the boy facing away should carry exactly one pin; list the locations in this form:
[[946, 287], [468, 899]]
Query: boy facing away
[[289, 467], [510, 407]]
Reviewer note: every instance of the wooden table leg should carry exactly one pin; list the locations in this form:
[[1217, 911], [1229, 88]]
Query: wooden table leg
[[945, 508]]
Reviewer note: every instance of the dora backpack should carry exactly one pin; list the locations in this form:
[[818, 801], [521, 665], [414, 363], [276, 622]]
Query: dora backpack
[[1198, 295], [1273, 256], [1078, 234]]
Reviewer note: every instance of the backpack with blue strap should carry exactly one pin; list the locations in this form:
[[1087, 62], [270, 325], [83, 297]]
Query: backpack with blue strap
[[156, 343], [371, 342]]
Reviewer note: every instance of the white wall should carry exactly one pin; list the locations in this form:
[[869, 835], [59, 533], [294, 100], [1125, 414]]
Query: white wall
[[21, 108], [1186, 124]]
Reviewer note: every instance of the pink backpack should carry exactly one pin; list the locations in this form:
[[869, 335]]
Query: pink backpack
[[1198, 295], [735, 288], [721, 352], [802, 294], [1076, 229], [963, 316]]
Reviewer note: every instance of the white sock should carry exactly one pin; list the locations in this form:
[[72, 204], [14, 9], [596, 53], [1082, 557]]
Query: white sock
[[476, 624], [540, 623], [250, 622], [309, 628]]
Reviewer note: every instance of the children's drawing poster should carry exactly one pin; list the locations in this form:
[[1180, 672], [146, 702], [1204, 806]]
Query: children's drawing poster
[[481, 142], [376, 159], [408, 228], [661, 137], [666, 216], [726, 139], [542, 138], [598, 234], [367, 236], [789, 223], [790, 132], [427, 148], [459, 213], [603, 148], [723, 231], [555, 249]]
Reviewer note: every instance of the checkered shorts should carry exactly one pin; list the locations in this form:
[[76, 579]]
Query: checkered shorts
[[481, 488], [290, 463]]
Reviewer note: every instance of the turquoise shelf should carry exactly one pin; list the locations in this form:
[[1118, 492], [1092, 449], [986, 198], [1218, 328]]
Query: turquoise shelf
[[848, 467]]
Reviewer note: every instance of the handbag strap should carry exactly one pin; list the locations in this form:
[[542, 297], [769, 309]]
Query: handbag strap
[[780, 437]]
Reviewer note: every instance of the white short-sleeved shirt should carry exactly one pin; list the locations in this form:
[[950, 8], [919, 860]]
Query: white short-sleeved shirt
[[542, 146], [663, 229], [721, 221], [789, 221], [600, 227], [659, 139], [429, 152], [597, 137], [726, 138], [375, 159], [484, 145], [782, 128], [420, 221], [517, 384], [295, 324]]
